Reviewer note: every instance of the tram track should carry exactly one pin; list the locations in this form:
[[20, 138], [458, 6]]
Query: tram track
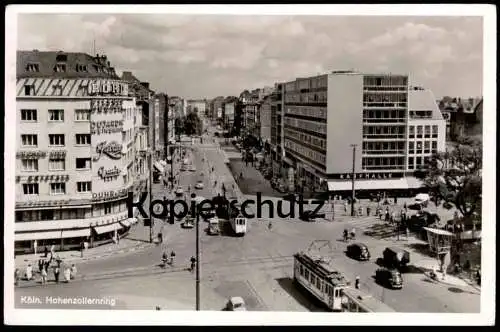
[[209, 269]]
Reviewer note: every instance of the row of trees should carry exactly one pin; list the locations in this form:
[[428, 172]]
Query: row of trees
[[190, 124], [455, 177]]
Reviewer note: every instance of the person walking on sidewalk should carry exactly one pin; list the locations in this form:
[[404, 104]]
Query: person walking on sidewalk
[[193, 263], [17, 276], [368, 210], [44, 276], [29, 272], [73, 271], [356, 283], [56, 273]]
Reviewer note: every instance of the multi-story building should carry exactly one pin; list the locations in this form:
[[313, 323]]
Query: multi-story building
[[265, 121], [198, 106], [277, 133], [229, 113], [216, 107], [327, 115], [463, 116], [74, 120]]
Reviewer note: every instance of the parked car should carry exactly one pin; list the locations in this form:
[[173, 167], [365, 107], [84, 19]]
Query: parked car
[[213, 226], [396, 257], [188, 223], [179, 191], [358, 251], [236, 303], [389, 277], [422, 199], [199, 185], [308, 215]]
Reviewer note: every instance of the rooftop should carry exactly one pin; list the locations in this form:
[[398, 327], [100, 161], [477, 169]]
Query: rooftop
[[63, 64]]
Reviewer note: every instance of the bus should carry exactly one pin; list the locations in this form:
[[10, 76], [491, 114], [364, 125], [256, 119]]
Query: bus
[[317, 275], [355, 300]]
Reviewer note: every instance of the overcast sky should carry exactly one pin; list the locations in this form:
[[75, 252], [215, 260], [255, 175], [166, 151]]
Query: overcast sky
[[206, 56]]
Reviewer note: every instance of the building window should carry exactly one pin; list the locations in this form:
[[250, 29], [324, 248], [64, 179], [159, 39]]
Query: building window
[[56, 139], [56, 115], [32, 67], [427, 147], [82, 115], [82, 163], [411, 147], [419, 161], [84, 187], [81, 68], [434, 146], [58, 188], [29, 140], [83, 139], [411, 164], [419, 147], [29, 165], [419, 131], [412, 132], [57, 164], [107, 208], [28, 115], [427, 132], [30, 188], [60, 68], [434, 131], [29, 90]]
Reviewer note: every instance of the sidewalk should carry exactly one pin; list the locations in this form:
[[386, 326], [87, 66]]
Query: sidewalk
[[426, 264], [125, 245]]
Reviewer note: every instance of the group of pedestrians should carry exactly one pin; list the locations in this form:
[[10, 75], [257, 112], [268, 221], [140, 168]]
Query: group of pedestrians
[[44, 266]]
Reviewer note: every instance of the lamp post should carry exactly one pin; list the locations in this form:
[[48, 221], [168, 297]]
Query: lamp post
[[197, 261], [150, 195], [353, 175]]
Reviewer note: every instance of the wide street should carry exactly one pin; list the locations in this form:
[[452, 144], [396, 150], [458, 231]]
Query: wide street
[[258, 266]]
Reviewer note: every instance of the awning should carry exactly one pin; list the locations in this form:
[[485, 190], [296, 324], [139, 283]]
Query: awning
[[414, 183], [126, 222], [159, 167], [37, 236], [76, 233], [107, 228], [438, 231], [368, 184]]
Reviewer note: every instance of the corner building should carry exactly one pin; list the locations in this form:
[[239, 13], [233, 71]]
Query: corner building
[[74, 119], [395, 128]]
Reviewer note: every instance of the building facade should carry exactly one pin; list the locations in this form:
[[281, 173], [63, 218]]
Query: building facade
[[74, 119], [327, 116]]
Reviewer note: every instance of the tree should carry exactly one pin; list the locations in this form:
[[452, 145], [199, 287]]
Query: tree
[[193, 124], [456, 177]]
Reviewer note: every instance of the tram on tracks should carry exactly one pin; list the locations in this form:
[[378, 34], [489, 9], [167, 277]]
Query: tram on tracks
[[355, 300], [318, 276]]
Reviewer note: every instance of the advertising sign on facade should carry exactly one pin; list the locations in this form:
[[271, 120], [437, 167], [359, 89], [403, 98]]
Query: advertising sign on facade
[[107, 87], [107, 159]]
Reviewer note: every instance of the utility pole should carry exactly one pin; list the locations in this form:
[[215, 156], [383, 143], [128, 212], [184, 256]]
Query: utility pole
[[197, 261], [353, 175], [150, 195]]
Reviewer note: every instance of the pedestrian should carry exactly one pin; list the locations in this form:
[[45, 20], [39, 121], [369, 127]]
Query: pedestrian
[[67, 274], [73, 271], [44, 276], [46, 251], [16, 277], [193, 263], [407, 233], [56, 274], [387, 214], [40, 265], [345, 207], [360, 211], [395, 200], [393, 217], [368, 210], [404, 206], [29, 272], [356, 283]]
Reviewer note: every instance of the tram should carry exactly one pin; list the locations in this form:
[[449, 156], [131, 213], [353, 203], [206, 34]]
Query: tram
[[317, 275], [237, 220], [355, 300]]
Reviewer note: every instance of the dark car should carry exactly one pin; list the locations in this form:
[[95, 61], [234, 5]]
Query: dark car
[[358, 251], [389, 277], [395, 257], [308, 215]]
